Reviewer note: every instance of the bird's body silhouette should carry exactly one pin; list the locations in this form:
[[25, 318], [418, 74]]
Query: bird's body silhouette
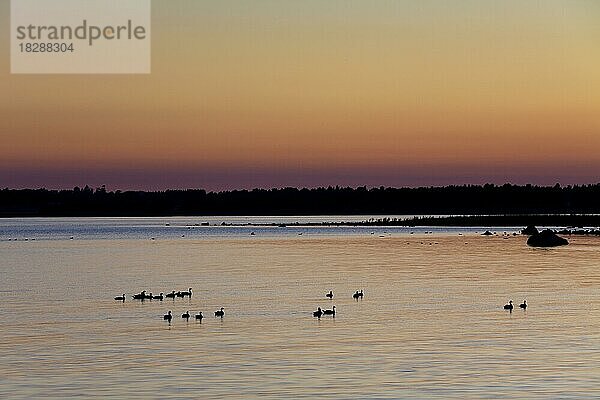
[[330, 294], [140, 296], [120, 298], [159, 297], [186, 315], [199, 316], [523, 305], [318, 313], [509, 306], [168, 316], [171, 295], [188, 293], [220, 313], [329, 312]]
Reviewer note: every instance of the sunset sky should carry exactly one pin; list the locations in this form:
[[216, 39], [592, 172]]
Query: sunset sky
[[308, 93]]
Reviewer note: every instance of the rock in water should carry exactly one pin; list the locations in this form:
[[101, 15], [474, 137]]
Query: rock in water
[[530, 230], [546, 238], [487, 233]]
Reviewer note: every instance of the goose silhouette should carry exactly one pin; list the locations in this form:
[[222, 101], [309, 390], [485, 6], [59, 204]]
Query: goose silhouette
[[171, 295], [199, 316], [509, 306], [168, 316], [330, 294], [329, 312], [159, 297], [121, 298], [140, 296], [188, 293], [523, 305], [186, 315], [318, 313], [220, 313]]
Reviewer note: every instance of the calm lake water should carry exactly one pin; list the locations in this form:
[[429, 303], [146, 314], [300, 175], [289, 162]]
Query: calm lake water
[[431, 324]]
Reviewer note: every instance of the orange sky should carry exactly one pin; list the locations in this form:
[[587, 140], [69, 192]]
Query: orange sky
[[278, 93]]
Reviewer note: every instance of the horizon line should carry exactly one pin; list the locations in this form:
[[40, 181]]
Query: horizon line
[[319, 187]]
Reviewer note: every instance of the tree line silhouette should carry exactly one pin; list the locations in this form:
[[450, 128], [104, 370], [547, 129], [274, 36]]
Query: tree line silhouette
[[486, 199]]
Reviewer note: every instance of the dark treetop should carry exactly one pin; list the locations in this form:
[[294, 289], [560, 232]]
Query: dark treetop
[[455, 200]]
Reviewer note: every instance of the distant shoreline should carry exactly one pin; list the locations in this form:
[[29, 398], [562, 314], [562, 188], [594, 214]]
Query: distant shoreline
[[467, 205], [568, 224], [573, 223]]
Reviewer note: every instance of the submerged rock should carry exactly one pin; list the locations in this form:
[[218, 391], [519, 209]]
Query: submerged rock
[[546, 238], [530, 230]]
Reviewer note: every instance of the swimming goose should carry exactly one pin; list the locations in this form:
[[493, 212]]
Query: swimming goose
[[318, 313], [140, 296], [121, 298], [329, 312], [148, 296], [356, 295], [171, 295], [199, 316], [508, 306], [361, 294], [523, 305], [168, 317], [186, 315], [330, 294], [159, 297], [220, 313], [188, 293]]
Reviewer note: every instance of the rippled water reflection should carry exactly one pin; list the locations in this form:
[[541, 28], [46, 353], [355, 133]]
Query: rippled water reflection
[[431, 324]]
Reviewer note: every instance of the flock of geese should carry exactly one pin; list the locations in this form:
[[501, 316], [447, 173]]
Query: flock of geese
[[186, 315], [320, 312], [358, 295], [169, 316], [143, 295], [510, 306]]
